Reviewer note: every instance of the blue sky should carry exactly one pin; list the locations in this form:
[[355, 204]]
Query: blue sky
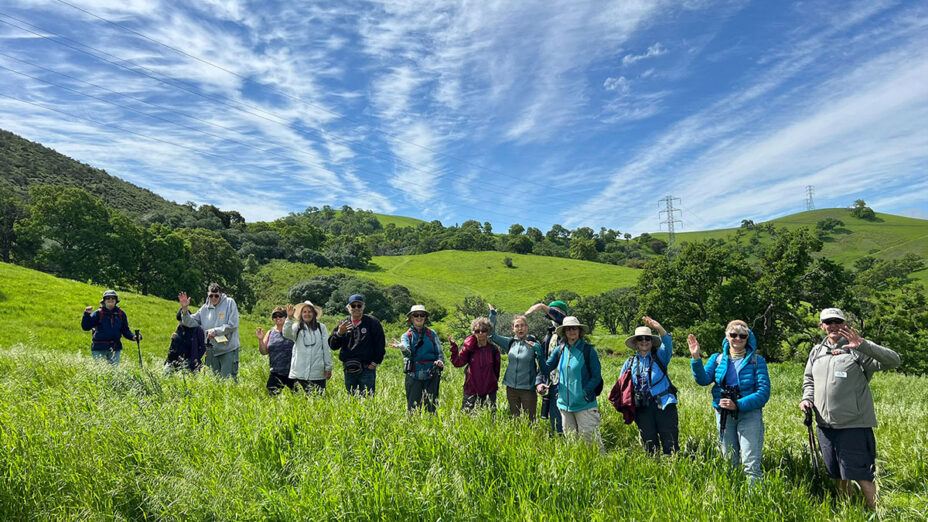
[[570, 112]]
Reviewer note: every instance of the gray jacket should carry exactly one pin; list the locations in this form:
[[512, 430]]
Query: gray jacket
[[837, 381], [221, 319], [523, 355]]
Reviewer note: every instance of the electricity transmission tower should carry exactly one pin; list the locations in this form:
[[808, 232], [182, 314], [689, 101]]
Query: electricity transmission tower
[[810, 190], [669, 220]]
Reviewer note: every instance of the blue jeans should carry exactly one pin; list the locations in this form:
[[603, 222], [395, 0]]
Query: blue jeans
[[743, 441], [111, 356], [362, 383]]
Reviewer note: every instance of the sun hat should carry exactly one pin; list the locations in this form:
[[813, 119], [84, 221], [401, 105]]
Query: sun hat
[[631, 342], [109, 293], [572, 321], [417, 308], [831, 313], [298, 309]]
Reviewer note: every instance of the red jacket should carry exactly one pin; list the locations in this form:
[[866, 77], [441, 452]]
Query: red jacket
[[483, 365], [622, 396]]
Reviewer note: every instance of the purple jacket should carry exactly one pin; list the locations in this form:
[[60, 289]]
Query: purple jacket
[[483, 365]]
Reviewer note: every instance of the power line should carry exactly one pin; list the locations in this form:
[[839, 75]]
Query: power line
[[810, 191], [669, 221]]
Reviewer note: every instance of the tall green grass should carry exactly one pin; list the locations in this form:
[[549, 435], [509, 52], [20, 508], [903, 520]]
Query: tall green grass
[[81, 440]]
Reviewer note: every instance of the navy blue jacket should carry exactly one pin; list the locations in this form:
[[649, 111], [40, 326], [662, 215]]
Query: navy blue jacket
[[108, 326]]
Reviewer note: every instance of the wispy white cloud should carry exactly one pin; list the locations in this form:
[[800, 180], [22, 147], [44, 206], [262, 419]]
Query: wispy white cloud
[[653, 51]]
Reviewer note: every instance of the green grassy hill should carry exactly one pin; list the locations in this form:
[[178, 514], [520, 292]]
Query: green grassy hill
[[399, 221], [449, 276], [886, 237]]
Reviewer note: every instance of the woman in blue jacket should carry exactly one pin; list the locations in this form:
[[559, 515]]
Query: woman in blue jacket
[[655, 396], [743, 375], [580, 375]]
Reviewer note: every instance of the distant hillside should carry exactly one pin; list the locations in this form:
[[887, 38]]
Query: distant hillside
[[399, 221], [886, 237], [449, 276], [24, 164]]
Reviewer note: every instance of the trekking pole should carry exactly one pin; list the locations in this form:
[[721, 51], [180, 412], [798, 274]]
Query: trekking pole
[[138, 342], [813, 442]]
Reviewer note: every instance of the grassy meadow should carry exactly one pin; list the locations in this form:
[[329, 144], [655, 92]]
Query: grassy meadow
[[80, 440]]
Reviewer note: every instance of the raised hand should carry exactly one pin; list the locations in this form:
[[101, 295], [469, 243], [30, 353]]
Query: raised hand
[[343, 326], [491, 307], [853, 338], [651, 322], [693, 346], [450, 340], [183, 300], [259, 333], [88, 309], [290, 310], [536, 307]]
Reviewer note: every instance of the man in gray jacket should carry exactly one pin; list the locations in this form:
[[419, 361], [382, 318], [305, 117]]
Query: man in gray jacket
[[836, 386], [219, 319]]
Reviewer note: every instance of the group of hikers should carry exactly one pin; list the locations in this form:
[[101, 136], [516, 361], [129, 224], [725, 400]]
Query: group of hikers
[[563, 369]]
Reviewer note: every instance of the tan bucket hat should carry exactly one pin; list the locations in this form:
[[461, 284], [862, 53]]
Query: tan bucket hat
[[298, 311], [642, 330], [572, 321]]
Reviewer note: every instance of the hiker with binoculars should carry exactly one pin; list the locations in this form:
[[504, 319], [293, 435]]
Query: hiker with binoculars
[[740, 389]]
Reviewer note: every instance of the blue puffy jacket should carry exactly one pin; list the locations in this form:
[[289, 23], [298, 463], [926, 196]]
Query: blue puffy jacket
[[753, 379]]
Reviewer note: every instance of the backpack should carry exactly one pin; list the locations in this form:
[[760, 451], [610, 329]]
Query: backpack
[[671, 389], [587, 348]]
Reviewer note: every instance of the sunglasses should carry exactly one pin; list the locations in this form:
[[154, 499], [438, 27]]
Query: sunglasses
[[833, 321], [481, 330], [643, 338], [278, 315], [214, 295], [357, 305], [734, 335], [419, 315]]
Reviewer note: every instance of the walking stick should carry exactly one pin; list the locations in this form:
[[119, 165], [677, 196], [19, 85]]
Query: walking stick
[[138, 342], [813, 442]]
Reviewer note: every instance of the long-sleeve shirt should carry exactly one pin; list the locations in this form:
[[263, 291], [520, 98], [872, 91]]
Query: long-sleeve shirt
[[108, 327], [364, 343], [483, 366], [523, 356], [221, 320]]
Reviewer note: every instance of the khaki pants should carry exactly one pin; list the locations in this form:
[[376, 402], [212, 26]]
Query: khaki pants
[[522, 400], [586, 423]]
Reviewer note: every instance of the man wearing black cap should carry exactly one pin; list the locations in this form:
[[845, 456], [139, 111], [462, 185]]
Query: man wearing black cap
[[361, 341]]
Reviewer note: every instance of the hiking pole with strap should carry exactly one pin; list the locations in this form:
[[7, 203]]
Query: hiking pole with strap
[[813, 442], [138, 342]]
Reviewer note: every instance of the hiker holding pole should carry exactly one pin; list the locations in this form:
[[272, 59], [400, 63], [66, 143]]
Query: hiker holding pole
[[836, 387], [109, 325]]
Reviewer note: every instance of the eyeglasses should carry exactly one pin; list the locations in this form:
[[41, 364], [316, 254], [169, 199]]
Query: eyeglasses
[[417, 316], [734, 335], [480, 330], [833, 321], [214, 295], [643, 338], [357, 305]]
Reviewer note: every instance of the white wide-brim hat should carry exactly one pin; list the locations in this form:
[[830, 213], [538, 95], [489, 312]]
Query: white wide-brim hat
[[572, 321], [632, 343]]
